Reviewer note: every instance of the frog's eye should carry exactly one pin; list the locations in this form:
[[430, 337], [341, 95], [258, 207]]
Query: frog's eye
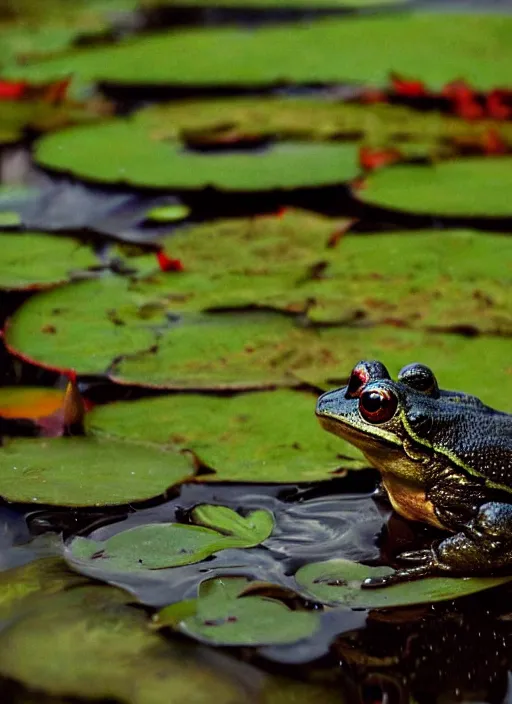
[[420, 378], [377, 405]]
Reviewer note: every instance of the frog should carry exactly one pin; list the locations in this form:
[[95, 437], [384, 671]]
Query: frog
[[444, 458]]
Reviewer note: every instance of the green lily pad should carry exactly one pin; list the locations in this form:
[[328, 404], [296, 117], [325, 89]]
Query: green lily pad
[[268, 436], [103, 649], [338, 582], [468, 187], [86, 471], [270, 4], [131, 332], [437, 279], [222, 120], [34, 260], [141, 160], [329, 50], [161, 545], [22, 586], [220, 618], [9, 218]]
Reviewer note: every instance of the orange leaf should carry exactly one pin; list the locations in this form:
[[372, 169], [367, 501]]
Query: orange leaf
[[371, 159]]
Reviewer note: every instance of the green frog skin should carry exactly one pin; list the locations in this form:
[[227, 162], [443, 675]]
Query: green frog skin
[[445, 459]]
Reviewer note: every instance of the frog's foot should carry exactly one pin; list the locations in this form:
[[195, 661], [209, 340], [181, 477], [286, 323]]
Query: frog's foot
[[418, 556], [380, 494], [399, 576]]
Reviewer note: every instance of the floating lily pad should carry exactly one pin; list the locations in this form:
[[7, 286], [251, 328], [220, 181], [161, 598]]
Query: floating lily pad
[[220, 618], [224, 121], [161, 545], [34, 260], [86, 471], [102, 649], [269, 436], [468, 187], [141, 160], [115, 326], [437, 279], [338, 582], [331, 50], [29, 402]]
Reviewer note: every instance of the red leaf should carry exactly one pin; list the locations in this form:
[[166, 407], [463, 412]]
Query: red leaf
[[468, 109], [406, 87], [12, 90], [496, 105], [371, 159], [493, 142], [166, 263], [458, 90]]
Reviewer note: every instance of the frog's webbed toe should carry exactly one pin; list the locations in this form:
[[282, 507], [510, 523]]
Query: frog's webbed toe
[[399, 576], [417, 556]]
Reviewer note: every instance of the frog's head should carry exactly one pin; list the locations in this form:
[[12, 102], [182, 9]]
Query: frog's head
[[381, 416]]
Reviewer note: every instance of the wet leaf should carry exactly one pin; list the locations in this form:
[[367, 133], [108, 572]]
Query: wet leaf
[[9, 218], [86, 472], [21, 587], [161, 545], [328, 51], [29, 402], [34, 260], [269, 436], [168, 213], [221, 618], [338, 582], [102, 649], [468, 187], [140, 160]]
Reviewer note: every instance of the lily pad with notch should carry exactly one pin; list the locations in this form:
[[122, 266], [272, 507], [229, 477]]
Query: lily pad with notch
[[338, 583], [161, 545], [219, 616], [139, 159], [268, 436]]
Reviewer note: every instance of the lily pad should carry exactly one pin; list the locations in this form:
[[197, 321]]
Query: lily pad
[[269, 436], [34, 260], [136, 335], [221, 618], [141, 160], [102, 649], [467, 187], [224, 121], [161, 545], [86, 471], [338, 582], [331, 50], [21, 587]]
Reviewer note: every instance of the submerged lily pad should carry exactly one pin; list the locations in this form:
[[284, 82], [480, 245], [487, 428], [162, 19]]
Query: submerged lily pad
[[338, 582], [141, 160], [35, 260], [102, 649], [269, 436], [21, 587], [468, 187], [331, 50], [161, 545], [220, 617], [86, 471]]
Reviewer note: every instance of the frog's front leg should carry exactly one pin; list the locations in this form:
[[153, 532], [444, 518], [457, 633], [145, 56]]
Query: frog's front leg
[[483, 546]]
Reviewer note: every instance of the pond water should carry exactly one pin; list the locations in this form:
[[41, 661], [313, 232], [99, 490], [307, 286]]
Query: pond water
[[209, 213]]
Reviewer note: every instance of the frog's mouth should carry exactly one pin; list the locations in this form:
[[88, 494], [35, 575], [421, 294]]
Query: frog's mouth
[[361, 439]]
